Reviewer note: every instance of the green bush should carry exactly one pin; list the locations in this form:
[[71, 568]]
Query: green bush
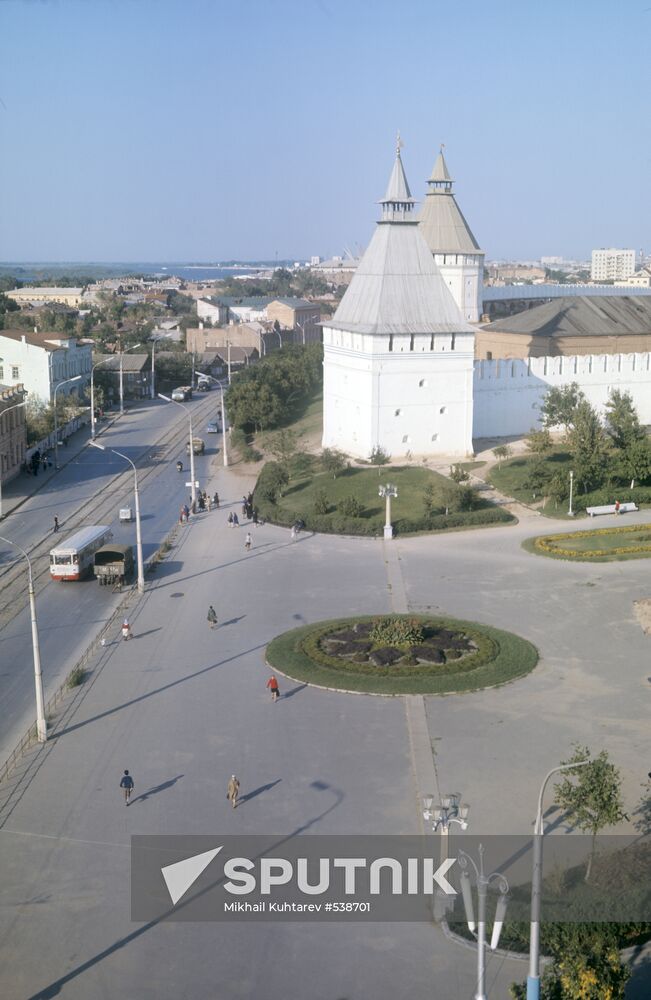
[[598, 498], [350, 507], [396, 631], [321, 505]]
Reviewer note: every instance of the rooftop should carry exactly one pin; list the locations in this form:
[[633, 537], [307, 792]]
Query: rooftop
[[130, 362], [581, 316], [49, 341]]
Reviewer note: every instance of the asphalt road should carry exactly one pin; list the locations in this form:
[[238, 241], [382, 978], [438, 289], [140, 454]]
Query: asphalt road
[[71, 614], [183, 707]]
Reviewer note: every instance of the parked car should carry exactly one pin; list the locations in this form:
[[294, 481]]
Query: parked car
[[198, 446], [213, 427], [182, 393]]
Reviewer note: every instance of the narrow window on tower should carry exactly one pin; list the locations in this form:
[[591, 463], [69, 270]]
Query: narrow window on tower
[[390, 341], [431, 343], [411, 342], [452, 345]]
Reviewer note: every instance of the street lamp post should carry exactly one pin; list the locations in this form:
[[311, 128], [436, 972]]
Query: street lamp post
[[441, 817], [301, 327], [221, 390], [41, 724], [92, 394], [154, 341], [533, 979], [193, 485], [141, 571], [387, 492], [122, 353], [570, 512], [14, 406], [483, 882], [75, 378]]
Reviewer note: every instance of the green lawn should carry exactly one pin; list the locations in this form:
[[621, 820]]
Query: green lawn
[[407, 509], [600, 545], [512, 657], [510, 478]]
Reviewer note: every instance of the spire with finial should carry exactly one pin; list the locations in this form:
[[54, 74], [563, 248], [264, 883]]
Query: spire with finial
[[440, 181], [397, 203]]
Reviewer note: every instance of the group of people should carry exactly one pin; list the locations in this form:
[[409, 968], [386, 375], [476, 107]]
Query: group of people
[[203, 502], [38, 461], [248, 510]]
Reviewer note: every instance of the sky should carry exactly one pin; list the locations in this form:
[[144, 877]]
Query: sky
[[205, 130]]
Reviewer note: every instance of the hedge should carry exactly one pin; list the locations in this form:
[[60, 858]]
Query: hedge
[[608, 495]]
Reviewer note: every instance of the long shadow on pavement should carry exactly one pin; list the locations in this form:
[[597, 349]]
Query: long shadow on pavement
[[150, 694], [157, 788], [55, 988], [258, 791], [269, 546]]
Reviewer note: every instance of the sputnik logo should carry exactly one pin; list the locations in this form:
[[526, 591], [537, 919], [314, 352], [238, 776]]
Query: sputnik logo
[[182, 875]]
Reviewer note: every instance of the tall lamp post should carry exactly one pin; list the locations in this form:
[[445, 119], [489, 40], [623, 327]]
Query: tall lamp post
[[441, 817], [154, 341], [122, 353], [533, 979], [387, 492], [221, 390], [570, 512], [301, 327], [478, 928], [92, 394], [193, 484], [14, 406], [41, 724], [141, 571], [65, 381]]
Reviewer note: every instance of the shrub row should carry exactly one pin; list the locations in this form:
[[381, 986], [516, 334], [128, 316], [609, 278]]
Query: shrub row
[[341, 525], [599, 498], [547, 543]]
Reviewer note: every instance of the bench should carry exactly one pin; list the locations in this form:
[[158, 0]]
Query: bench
[[624, 508]]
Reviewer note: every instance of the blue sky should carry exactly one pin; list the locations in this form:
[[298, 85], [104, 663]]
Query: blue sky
[[204, 130]]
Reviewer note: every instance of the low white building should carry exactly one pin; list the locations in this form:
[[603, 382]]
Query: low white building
[[41, 361], [398, 354]]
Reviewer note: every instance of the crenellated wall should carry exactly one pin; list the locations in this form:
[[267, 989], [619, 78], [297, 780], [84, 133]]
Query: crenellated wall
[[507, 393]]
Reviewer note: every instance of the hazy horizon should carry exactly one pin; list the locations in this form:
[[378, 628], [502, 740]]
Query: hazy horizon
[[191, 130]]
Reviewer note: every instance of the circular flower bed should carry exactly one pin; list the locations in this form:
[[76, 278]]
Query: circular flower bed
[[401, 654]]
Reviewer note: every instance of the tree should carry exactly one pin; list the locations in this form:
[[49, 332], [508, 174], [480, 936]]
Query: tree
[[539, 442], [622, 422], [635, 462], [501, 453], [379, 457], [591, 795], [538, 475], [282, 446], [321, 502], [273, 482], [560, 405], [587, 444], [333, 461], [458, 474], [558, 488], [586, 966], [431, 502]]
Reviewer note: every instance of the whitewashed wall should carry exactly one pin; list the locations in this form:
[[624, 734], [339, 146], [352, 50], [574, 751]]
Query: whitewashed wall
[[508, 393]]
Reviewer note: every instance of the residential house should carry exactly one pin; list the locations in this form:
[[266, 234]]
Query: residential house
[[42, 361], [39, 296], [136, 374], [299, 315], [13, 432]]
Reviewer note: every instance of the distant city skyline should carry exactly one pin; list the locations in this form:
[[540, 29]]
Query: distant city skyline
[[200, 130]]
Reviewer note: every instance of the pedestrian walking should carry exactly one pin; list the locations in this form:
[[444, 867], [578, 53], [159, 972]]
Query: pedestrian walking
[[272, 684], [254, 515], [208, 502], [215, 499], [249, 499], [247, 541], [233, 791], [236, 521], [617, 506], [126, 629], [212, 617], [127, 784], [293, 532], [56, 524], [230, 519], [186, 511]]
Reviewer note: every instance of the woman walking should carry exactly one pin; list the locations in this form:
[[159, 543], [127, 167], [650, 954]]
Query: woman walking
[[233, 791]]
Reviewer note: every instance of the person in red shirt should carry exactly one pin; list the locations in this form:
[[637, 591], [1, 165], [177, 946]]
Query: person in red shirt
[[272, 684]]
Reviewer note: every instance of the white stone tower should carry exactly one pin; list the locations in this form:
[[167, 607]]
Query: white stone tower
[[398, 354], [450, 239]]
